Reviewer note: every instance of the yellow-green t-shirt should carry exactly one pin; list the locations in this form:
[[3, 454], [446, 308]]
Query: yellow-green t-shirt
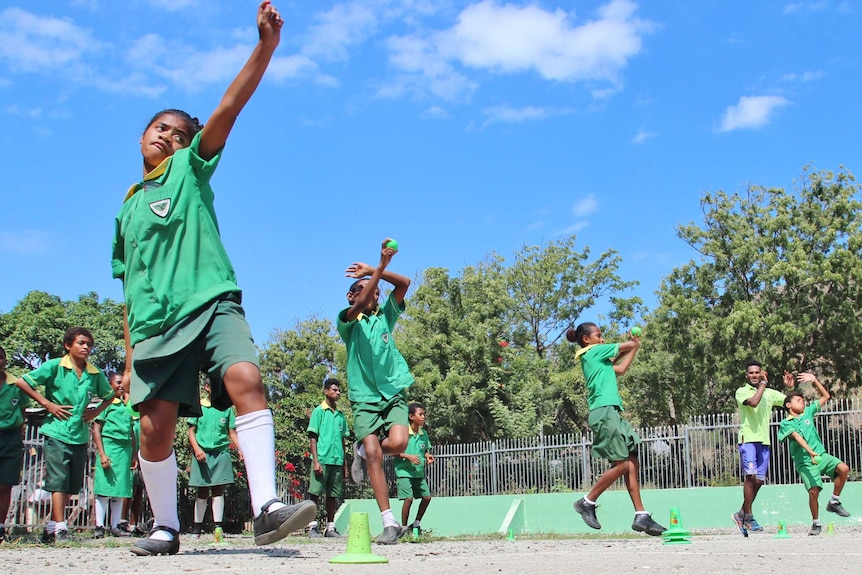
[[754, 421], [12, 403], [167, 245], [64, 387]]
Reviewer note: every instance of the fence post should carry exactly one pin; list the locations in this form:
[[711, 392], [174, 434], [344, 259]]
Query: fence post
[[585, 463], [494, 468], [687, 452]]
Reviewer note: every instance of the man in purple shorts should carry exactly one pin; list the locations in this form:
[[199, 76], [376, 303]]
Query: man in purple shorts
[[755, 402]]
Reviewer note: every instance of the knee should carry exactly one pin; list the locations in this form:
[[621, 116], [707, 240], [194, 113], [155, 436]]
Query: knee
[[426, 499], [842, 470], [373, 452]]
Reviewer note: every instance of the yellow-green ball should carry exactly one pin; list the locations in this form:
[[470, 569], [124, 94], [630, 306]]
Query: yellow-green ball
[[636, 331], [392, 244]]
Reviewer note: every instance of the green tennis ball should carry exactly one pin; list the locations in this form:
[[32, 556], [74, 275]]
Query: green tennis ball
[[817, 459], [636, 331], [392, 244]]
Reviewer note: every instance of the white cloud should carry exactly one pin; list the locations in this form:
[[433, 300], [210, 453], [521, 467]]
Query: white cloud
[[31, 113], [751, 112], [510, 115], [585, 206], [435, 113], [35, 43], [795, 7], [172, 5], [24, 243], [425, 71], [574, 228], [343, 26], [807, 76], [642, 136]]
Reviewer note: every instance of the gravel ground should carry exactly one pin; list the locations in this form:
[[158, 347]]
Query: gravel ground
[[714, 552]]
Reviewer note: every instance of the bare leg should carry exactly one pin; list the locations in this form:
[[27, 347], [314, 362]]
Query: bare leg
[[608, 478], [749, 491], [5, 501], [813, 503], [405, 511], [395, 441], [58, 506], [374, 459], [841, 473], [632, 482], [331, 508], [423, 505]]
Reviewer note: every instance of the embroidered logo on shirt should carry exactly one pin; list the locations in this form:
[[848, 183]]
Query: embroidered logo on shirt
[[14, 402], [807, 422], [161, 207], [223, 419], [385, 337]]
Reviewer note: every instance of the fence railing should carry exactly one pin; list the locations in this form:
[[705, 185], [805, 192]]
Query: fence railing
[[701, 453]]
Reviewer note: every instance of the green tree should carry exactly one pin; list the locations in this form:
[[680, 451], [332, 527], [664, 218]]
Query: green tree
[[779, 279]]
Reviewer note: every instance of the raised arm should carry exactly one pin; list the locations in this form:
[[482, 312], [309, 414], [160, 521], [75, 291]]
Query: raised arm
[[811, 378], [220, 123], [628, 350], [362, 300]]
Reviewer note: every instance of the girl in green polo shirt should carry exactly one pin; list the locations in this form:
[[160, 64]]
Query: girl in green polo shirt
[[12, 405], [183, 308]]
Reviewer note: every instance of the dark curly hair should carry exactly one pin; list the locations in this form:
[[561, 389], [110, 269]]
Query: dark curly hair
[[194, 124]]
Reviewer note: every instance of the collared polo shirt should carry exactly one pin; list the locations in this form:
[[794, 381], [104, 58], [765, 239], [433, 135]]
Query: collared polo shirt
[[804, 426], [754, 421], [213, 426], [12, 403], [330, 427], [116, 422], [599, 375], [417, 444]]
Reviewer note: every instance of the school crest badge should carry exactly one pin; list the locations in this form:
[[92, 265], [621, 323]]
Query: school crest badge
[[161, 207], [385, 337], [14, 402]]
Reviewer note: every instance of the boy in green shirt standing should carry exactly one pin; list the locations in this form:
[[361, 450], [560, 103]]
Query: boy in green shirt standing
[[613, 437], [70, 383], [755, 403], [410, 468], [327, 429], [210, 436], [807, 451], [377, 376], [12, 405]]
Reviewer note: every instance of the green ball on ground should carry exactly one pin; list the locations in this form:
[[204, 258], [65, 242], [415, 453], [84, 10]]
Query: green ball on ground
[[636, 331], [392, 244]]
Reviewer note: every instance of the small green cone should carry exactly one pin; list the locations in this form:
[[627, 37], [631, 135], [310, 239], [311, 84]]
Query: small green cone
[[676, 533], [782, 531], [358, 543], [511, 536]]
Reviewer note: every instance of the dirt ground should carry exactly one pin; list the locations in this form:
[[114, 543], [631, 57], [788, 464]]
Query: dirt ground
[[724, 552]]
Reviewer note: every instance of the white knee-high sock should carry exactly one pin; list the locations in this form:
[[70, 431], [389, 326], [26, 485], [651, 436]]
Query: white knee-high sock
[[101, 509], [160, 478], [256, 434], [116, 511], [200, 509], [218, 508]]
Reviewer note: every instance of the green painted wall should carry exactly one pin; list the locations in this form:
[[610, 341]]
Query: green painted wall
[[701, 508]]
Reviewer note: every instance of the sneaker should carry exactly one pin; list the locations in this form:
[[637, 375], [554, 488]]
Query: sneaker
[[196, 530], [98, 532], [123, 526], [138, 531], [313, 533], [150, 546], [737, 519], [120, 532], [62, 535], [588, 513], [752, 525], [272, 526], [391, 535], [835, 507], [359, 468], [333, 533], [47, 538], [2, 534], [645, 524], [815, 529]]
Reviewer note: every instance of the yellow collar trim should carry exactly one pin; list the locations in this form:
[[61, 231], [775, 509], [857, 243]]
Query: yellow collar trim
[[10, 379], [205, 402], [116, 401], [155, 173], [584, 350], [325, 405], [67, 363], [362, 315]]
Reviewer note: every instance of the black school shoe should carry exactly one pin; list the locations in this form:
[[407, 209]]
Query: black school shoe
[[588, 513], [149, 546], [644, 523], [269, 527]]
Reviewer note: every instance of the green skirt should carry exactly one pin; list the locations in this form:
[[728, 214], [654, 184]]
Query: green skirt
[[216, 470], [116, 480]]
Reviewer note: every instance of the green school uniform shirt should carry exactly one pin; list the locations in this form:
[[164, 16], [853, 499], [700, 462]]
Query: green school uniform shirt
[[167, 245], [330, 427], [12, 403], [375, 367], [417, 444], [212, 427], [601, 379], [64, 387], [754, 421], [804, 426], [116, 422]]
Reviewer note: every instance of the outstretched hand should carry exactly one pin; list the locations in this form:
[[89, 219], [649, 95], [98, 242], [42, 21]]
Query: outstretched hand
[[269, 22], [358, 270], [788, 380], [806, 377], [386, 252]]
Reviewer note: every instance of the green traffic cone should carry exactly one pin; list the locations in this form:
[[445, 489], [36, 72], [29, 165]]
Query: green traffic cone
[[782, 531], [676, 533], [358, 543]]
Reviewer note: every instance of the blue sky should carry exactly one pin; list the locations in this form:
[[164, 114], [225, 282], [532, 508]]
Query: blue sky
[[458, 128]]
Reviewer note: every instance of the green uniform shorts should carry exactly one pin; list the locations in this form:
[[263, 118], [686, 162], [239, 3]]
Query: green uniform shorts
[[811, 473], [64, 466], [216, 470], [11, 457], [614, 438], [116, 480], [329, 483], [167, 366], [369, 418], [412, 487]]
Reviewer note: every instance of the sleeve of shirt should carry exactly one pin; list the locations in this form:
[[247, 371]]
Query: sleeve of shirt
[[203, 168], [342, 326], [314, 422], [812, 408], [192, 421], [231, 419], [42, 374], [103, 417], [744, 393], [785, 429], [776, 398], [345, 432], [118, 251], [103, 388], [427, 442], [392, 310], [603, 351]]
